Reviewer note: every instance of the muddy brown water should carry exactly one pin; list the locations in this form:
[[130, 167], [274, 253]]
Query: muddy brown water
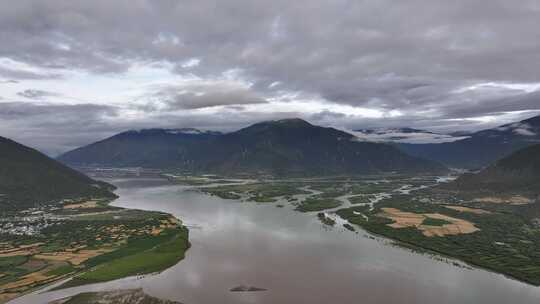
[[293, 256]]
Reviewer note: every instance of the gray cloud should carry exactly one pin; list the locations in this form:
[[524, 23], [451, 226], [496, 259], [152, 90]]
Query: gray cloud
[[279, 41], [416, 57], [400, 136], [202, 96], [24, 74], [8, 81], [18, 110], [55, 128], [36, 94], [495, 105]]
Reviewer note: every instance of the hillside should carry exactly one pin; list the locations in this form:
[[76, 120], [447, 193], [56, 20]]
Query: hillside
[[480, 148], [29, 178], [282, 147], [143, 148], [519, 172]]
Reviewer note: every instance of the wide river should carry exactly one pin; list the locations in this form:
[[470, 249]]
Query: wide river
[[292, 255]]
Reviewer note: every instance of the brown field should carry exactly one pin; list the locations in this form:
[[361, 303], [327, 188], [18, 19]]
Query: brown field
[[467, 209], [156, 231], [512, 200], [95, 213], [75, 258], [168, 223], [404, 219], [88, 204], [17, 253], [39, 264], [6, 296], [33, 265], [76, 248], [21, 250], [29, 279]]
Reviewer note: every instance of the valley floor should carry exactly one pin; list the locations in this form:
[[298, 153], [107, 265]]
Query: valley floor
[[90, 241]]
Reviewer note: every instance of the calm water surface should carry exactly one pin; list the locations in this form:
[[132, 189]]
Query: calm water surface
[[293, 256]]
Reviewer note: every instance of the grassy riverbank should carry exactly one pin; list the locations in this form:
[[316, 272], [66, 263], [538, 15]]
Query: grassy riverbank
[[88, 240], [139, 256], [503, 242]]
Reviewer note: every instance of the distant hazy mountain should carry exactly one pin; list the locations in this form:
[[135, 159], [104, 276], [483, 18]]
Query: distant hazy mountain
[[282, 147], [29, 178], [518, 172], [480, 148], [404, 135]]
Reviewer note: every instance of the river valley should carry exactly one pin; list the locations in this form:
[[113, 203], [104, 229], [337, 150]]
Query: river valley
[[293, 256]]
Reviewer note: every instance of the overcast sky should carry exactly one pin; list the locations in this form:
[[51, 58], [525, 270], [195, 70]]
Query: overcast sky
[[73, 72]]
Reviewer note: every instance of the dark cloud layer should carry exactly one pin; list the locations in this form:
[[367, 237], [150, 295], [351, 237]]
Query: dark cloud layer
[[431, 61], [56, 128], [203, 96]]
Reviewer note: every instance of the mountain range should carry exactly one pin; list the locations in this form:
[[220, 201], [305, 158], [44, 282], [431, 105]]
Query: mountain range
[[291, 147], [29, 178], [481, 148]]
